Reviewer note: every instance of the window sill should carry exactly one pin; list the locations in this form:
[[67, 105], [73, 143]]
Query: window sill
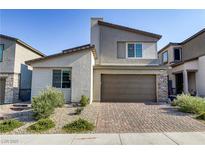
[[134, 58], [62, 88]]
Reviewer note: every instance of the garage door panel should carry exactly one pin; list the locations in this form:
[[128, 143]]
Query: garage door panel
[[132, 86], [128, 88], [129, 91]]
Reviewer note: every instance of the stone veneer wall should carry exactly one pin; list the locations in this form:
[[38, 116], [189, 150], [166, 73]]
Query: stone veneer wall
[[162, 87], [12, 88]]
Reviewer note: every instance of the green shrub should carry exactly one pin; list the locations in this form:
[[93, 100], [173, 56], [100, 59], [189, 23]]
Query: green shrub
[[42, 107], [201, 116], [190, 104], [79, 125], [44, 104], [41, 125], [9, 125], [84, 101], [78, 110], [56, 96]]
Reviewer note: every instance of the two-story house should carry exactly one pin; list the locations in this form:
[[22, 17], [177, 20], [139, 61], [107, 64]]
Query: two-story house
[[119, 65], [15, 75], [186, 65]]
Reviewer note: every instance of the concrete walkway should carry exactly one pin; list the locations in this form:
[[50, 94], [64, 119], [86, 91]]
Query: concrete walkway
[[106, 139]]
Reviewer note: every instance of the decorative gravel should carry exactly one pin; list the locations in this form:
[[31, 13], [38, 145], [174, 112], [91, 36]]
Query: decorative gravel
[[61, 117], [118, 118]]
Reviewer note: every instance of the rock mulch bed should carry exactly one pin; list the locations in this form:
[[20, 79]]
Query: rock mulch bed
[[61, 117]]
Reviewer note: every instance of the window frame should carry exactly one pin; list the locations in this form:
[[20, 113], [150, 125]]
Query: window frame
[[1, 60], [180, 53], [61, 87], [135, 43], [165, 52]]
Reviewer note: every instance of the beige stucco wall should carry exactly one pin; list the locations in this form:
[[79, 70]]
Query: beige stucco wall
[[7, 65], [81, 79], [14, 55], [23, 54], [201, 76], [95, 35], [98, 72], [108, 45], [191, 65], [106, 39], [42, 78], [194, 48], [191, 81]]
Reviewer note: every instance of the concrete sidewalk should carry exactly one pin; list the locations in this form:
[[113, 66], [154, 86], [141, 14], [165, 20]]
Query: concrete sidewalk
[[106, 139]]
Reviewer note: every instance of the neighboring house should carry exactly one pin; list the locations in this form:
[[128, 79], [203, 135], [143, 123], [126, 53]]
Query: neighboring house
[[186, 62], [15, 75], [119, 65]]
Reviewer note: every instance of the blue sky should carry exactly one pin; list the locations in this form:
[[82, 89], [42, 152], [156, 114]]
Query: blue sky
[[51, 31]]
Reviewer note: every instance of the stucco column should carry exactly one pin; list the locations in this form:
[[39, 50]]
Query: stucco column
[[185, 78]]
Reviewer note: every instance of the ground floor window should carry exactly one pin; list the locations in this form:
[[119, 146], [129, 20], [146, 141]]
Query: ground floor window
[[61, 78]]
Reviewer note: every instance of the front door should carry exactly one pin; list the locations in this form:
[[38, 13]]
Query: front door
[[179, 83], [2, 90]]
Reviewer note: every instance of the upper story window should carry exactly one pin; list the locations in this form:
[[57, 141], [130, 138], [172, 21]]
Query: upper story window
[[165, 57], [177, 54], [134, 50], [61, 78], [1, 52]]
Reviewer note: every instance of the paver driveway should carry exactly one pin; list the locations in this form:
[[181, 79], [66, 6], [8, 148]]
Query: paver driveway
[[142, 117]]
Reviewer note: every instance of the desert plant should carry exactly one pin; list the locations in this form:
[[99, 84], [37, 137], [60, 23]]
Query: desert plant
[[44, 104], [78, 110], [84, 101], [79, 125], [41, 125], [55, 96], [9, 125], [42, 107], [201, 116], [190, 104]]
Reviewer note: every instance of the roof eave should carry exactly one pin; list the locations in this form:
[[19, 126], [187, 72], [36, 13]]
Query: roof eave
[[24, 44], [193, 36], [31, 48], [29, 62], [129, 29]]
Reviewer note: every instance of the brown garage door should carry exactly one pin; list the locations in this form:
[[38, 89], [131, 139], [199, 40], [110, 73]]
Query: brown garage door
[[128, 88], [2, 90]]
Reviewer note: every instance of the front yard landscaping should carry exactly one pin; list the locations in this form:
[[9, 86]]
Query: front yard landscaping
[[109, 117], [50, 114], [44, 104], [191, 104], [78, 126], [9, 125], [41, 125]]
